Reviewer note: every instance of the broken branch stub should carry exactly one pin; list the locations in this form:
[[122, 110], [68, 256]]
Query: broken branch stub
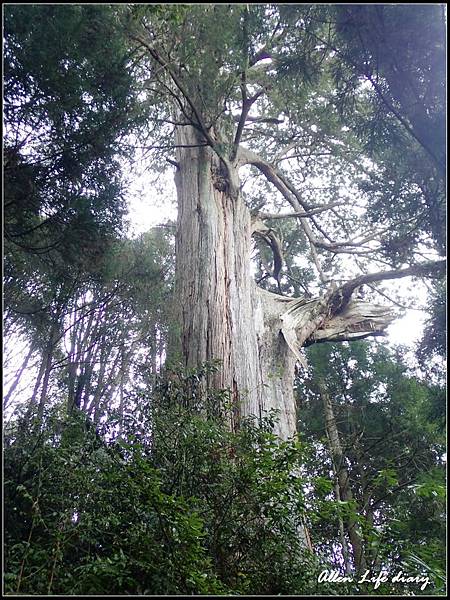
[[307, 322], [357, 321]]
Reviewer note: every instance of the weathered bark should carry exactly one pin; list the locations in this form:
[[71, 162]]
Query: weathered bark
[[223, 315]]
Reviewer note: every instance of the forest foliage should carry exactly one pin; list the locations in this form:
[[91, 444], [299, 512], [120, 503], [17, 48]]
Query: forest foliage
[[166, 500], [123, 477]]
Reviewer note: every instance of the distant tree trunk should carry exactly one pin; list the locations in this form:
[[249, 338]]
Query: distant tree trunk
[[47, 363], [18, 376], [155, 351], [83, 333], [344, 544], [94, 406], [37, 383], [122, 383], [345, 492]]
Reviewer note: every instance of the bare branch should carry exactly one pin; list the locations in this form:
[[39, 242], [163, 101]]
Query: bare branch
[[272, 120], [155, 55], [375, 289], [300, 155], [288, 191], [302, 214], [247, 103], [340, 298]]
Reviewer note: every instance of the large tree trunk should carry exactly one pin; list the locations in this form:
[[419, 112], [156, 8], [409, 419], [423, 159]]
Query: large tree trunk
[[222, 314]]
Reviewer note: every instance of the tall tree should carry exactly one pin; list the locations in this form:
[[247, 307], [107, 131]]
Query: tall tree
[[68, 101], [242, 86], [227, 92]]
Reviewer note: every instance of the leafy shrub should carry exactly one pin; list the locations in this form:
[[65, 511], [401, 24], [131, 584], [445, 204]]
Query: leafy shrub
[[164, 500]]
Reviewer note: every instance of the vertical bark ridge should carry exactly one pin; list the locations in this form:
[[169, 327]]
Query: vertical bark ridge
[[222, 314]]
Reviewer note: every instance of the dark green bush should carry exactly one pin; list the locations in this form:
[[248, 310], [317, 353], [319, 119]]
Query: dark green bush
[[164, 500]]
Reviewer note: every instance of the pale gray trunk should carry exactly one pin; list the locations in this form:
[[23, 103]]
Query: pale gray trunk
[[222, 314]]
